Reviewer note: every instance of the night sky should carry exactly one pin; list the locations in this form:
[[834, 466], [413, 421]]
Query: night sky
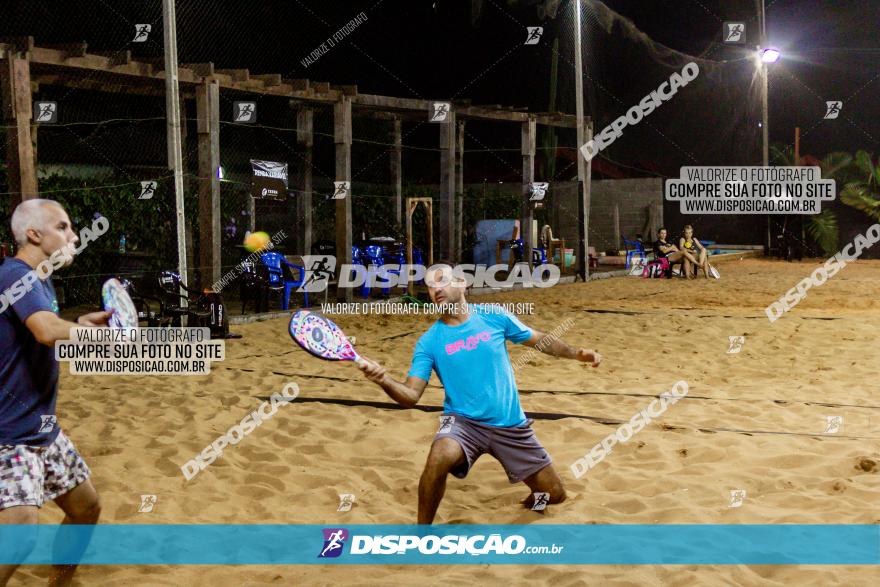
[[438, 49]]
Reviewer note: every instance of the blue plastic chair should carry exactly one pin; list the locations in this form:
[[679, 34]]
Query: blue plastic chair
[[275, 263], [359, 258], [417, 259], [539, 256], [638, 249], [376, 257]]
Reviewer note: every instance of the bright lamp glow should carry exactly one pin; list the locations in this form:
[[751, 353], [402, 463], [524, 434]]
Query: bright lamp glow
[[220, 173], [770, 56]]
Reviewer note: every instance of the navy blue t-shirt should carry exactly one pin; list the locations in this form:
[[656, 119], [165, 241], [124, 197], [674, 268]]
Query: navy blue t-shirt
[[28, 369]]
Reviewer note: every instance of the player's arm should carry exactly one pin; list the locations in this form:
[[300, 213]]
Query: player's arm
[[406, 393], [556, 347], [47, 327]]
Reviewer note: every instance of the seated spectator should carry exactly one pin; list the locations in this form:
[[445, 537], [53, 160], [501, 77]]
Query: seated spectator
[[695, 254], [666, 250]]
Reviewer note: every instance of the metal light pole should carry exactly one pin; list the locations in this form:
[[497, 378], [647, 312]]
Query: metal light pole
[[765, 115], [175, 152], [583, 194]]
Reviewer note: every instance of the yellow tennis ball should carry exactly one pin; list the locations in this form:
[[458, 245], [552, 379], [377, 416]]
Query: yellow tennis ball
[[256, 241]]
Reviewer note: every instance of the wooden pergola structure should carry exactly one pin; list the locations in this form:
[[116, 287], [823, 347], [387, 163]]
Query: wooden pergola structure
[[25, 66]]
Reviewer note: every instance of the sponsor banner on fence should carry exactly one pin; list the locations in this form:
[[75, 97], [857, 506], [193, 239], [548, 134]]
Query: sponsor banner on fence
[[534, 544], [270, 179]]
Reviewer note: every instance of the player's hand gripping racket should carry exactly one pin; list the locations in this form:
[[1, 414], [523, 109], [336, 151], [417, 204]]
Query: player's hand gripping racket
[[322, 338], [117, 301]]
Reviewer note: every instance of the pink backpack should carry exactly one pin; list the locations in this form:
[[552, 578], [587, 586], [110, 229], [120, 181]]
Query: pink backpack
[[656, 268]]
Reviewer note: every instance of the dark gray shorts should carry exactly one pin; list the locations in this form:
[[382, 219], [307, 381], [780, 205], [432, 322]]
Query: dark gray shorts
[[516, 448]]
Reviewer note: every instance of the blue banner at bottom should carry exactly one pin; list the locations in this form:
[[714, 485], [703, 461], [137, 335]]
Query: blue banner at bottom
[[536, 544]]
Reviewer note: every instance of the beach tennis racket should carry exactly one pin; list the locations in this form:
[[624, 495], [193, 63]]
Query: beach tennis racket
[[322, 338], [117, 300]]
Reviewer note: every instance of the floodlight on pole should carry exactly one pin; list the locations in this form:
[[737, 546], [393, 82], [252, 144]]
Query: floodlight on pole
[[770, 55]]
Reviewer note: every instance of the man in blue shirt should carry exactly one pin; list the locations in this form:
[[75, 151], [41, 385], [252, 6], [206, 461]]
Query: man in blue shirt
[[481, 412], [38, 463]]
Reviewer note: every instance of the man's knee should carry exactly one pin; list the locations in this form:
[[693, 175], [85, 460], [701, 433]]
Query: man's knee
[[25, 539], [90, 512], [445, 454], [86, 512], [26, 514]]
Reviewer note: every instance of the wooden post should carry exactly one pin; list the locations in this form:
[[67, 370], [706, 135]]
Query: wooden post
[[305, 136], [529, 129], [208, 118], [411, 205], [342, 138], [447, 188], [397, 169], [459, 186], [616, 224], [17, 114]]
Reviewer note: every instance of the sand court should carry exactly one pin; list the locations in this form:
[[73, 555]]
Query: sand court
[[792, 420]]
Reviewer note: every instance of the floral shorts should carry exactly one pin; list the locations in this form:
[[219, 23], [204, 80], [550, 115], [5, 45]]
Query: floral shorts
[[32, 475]]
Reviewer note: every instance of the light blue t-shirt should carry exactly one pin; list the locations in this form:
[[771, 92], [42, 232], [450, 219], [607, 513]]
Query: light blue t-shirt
[[474, 368]]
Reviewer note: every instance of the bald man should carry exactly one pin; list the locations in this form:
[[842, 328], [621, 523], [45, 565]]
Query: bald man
[[38, 463]]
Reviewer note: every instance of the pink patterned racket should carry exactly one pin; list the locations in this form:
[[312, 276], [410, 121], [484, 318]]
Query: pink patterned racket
[[322, 338], [116, 298]]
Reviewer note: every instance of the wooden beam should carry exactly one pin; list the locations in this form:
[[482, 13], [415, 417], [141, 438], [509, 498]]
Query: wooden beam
[[70, 49], [391, 103], [346, 90], [208, 125], [321, 87], [298, 85], [529, 130], [342, 138], [237, 75], [17, 107], [270, 80], [21, 44], [447, 187], [115, 58], [202, 69], [305, 137]]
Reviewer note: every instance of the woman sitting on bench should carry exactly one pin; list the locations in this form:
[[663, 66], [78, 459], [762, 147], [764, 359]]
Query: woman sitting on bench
[[695, 254]]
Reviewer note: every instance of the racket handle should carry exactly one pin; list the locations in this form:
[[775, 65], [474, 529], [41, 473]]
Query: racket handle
[[360, 362]]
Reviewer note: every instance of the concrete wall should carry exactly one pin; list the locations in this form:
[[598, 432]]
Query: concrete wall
[[633, 198]]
